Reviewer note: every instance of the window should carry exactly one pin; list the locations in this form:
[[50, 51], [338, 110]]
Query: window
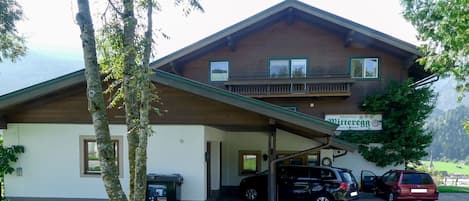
[[89, 157], [364, 67], [219, 70], [249, 162], [285, 68], [307, 159]]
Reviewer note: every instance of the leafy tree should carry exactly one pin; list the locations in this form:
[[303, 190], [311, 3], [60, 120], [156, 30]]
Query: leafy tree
[[125, 54], [8, 155], [11, 43], [403, 138], [443, 27]]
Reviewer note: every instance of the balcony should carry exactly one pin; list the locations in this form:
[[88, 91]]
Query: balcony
[[314, 86]]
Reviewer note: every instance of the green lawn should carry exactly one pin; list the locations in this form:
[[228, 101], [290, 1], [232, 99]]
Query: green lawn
[[451, 168], [453, 189]]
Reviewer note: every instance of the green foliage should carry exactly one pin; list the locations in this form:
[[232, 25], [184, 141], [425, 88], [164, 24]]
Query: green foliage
[[11, 43], [450, 140], [8, 155], [453, 189], [448, 167], [443, 26], [403, 138]]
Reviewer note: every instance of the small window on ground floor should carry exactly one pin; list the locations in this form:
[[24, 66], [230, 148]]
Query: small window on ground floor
[[89, 156], [249, 162]]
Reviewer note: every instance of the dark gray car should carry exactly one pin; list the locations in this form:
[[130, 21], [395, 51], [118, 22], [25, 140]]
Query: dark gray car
[[295, 182]]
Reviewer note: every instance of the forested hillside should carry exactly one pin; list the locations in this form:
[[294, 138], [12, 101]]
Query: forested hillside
[[449, 138]]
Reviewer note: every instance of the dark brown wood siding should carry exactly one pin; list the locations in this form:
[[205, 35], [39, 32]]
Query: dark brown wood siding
[[324, 50], [181, 107]]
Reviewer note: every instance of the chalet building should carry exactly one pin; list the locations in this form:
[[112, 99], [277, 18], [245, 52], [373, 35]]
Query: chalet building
[[288, 79]]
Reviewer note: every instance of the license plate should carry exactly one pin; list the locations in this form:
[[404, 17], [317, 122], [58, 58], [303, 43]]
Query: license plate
[[353, 194], [417, 190]]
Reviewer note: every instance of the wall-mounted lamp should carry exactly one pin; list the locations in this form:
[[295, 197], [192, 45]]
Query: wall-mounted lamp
[[265, 157], [19, 171]]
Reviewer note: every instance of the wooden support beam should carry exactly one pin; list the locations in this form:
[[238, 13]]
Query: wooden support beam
[[349, 38], [290, 16], [231, 43], [409, 61], [174, 68], [3, 122]]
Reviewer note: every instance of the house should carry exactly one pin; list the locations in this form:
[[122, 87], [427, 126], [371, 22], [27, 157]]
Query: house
[[266, 83]]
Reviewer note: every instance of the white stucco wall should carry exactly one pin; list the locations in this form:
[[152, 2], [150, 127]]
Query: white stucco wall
[[51, 162], [355, 162]]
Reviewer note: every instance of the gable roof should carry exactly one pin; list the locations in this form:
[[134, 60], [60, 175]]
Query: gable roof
[[294, 8]]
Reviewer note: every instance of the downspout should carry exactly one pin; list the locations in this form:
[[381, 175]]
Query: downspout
[[272, 190]]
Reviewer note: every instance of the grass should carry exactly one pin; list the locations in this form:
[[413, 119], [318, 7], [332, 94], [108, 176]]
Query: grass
[[453, 189], [451, 168]]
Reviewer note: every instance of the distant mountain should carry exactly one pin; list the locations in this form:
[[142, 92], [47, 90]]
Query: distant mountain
[[37, 66], [445, 123], [449, 138]]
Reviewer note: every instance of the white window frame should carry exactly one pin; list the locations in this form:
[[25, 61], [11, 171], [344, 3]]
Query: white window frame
[[217, 64], [364, 67], [290, 63]]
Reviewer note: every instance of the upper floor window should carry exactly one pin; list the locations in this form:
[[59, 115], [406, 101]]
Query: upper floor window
[[285, 68], [219, 70], [364, 67]]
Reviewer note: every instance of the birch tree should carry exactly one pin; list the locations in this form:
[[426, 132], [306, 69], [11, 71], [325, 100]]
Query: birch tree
[[11, 42], [124, 48]]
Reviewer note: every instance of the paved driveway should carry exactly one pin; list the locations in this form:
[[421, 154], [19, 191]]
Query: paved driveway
[[442, 197], [371, 197]]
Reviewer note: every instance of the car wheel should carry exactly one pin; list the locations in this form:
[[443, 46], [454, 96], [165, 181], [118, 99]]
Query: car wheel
[[323, 197], [251, 194]]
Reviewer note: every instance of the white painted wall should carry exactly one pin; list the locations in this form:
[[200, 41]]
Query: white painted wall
[[355, 162], [51, 162]]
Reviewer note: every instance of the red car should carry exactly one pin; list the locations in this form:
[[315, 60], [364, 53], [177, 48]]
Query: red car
[[401, 185]]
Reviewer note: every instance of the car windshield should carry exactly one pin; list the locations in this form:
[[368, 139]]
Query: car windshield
[[416, 178]]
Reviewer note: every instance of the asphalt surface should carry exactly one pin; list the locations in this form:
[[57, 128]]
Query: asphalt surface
[[442, 197], [371, 197]]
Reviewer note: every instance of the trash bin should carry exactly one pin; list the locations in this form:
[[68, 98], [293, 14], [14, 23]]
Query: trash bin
[[164, 187]]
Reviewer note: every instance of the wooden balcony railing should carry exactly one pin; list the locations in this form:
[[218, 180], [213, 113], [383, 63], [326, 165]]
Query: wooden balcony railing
[[291, 87]]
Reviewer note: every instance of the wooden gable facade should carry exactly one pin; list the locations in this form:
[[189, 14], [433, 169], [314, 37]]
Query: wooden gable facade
[[292, 31]]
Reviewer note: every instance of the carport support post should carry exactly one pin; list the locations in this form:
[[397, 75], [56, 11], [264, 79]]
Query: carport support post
[[272, 191]]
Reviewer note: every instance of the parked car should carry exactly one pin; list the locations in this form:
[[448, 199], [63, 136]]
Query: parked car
[[295, 182], [401, 185]]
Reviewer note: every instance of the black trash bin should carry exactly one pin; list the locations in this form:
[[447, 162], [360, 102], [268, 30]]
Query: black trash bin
[[164, 187]]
